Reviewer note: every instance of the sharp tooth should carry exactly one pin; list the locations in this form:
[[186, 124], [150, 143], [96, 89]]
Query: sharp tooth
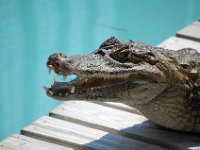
[[92, 88], [50, 66], [50, 70], [51, 92], [64, 77], [54, 79], [60, 94], [45, 88], [86, 80], [72, 90], [66, 94]]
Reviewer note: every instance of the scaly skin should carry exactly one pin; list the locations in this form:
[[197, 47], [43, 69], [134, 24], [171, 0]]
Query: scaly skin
[[163, 84]]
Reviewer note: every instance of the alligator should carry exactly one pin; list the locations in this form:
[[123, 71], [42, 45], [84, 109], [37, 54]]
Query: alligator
[[164, 85]]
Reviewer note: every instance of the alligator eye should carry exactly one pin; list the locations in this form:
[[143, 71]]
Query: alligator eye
[[121, 57], [101, 52]]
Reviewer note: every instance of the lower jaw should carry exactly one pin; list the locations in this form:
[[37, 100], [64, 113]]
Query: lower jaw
[[109, 93]]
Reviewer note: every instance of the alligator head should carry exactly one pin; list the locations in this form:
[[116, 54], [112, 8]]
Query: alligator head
[[152, 79], [116, 71]]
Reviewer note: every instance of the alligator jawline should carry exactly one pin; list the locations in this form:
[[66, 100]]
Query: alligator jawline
[[80, 84], [102, 82]]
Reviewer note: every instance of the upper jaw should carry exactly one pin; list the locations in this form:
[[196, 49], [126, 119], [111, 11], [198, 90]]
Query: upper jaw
[[95, 65]]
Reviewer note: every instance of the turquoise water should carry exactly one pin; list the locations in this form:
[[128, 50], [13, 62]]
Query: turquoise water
[[32, 30]]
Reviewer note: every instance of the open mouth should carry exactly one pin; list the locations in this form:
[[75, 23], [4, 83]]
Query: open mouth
[[94, 81], [81, 84]]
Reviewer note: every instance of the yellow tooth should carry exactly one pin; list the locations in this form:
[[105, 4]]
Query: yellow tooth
[[54, 79], [72, 89], [51, 92], [64, 77], [45, 88]]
